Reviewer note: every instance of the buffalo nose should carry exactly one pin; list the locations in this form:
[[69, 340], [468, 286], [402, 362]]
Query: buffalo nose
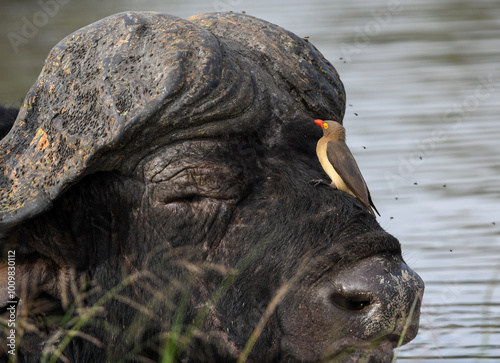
[[379, 298]]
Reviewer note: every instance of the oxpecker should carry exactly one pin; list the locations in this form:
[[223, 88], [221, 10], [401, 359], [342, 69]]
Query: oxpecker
[[338, 162]]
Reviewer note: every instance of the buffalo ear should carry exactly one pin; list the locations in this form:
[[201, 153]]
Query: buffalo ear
[[99, 85], [33, 277], [7, 118]]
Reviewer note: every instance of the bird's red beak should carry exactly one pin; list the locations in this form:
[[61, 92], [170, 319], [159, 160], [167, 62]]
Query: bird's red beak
[[319, 122]]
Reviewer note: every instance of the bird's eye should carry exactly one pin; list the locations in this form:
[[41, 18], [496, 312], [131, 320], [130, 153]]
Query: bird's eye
[[325, 126]]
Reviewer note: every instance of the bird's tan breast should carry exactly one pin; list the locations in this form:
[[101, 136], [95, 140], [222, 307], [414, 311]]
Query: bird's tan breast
[[328, 167]]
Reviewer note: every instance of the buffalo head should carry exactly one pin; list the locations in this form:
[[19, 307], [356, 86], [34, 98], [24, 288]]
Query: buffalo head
[[156, 195]]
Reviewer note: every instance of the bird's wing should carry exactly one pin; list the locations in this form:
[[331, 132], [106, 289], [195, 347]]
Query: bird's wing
[[343, 162]]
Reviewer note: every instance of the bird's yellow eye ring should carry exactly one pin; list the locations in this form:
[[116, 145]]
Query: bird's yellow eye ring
[[325, 126]]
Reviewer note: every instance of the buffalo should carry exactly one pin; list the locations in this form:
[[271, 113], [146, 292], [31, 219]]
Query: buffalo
[[7, 117], [157, 204]]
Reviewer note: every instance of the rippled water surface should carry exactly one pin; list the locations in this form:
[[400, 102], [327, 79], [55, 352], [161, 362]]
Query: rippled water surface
[[422, 80]]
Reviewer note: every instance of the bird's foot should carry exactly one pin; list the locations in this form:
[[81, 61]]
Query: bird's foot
[[316, 182]]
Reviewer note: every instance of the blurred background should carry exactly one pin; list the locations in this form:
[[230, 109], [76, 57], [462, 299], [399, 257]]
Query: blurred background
[[423, 93]]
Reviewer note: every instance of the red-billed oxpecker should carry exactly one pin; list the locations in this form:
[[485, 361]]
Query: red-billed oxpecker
[[338, 162]]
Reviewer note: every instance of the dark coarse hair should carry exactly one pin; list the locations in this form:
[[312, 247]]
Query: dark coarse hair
[[7, 118]]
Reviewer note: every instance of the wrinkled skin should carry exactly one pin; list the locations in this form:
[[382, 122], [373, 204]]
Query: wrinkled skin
[[175, 157]]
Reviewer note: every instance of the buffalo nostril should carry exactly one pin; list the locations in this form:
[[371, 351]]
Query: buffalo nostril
[[350, 303]]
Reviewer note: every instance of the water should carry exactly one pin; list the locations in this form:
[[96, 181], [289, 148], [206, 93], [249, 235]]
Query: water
[[423, 79]]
